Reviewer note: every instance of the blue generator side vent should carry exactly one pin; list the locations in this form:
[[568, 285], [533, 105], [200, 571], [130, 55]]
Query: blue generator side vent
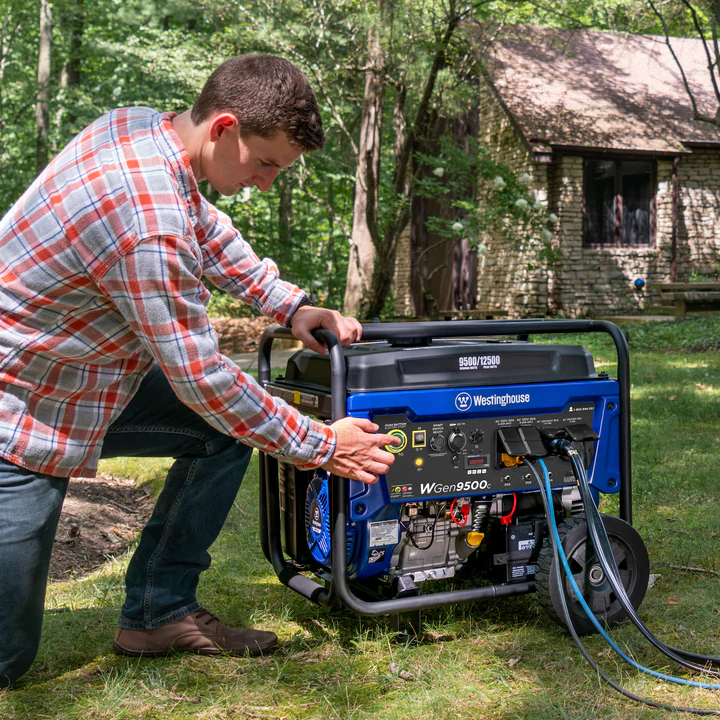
[[317, 521]]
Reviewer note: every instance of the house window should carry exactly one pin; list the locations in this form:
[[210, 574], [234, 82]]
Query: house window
[[619, 202]]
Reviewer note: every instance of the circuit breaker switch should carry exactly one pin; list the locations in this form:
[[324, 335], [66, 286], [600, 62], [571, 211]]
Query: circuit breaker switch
[[419, 438]]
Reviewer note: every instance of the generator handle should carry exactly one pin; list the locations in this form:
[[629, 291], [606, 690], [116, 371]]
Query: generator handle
[[338, 370], [269, 499]]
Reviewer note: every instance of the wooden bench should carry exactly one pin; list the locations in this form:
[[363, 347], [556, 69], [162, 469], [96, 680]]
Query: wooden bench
[[700, 297], [472, 314]]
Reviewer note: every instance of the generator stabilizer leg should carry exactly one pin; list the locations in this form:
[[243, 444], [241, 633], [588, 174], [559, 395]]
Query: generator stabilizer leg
[[407, 626]]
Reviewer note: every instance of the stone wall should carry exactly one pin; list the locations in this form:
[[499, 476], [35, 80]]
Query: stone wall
[[600, 280], [699, 214]]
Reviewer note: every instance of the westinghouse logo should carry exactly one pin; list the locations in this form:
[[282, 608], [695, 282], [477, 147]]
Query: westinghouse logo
[[464, 401]]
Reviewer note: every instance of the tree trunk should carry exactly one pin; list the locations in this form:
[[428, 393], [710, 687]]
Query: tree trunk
[[74, 21], [74, 61], [331, 240], [42, 106], [362, 247]]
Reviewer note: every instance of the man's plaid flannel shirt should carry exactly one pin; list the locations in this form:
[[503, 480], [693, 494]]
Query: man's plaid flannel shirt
[[101, 262]]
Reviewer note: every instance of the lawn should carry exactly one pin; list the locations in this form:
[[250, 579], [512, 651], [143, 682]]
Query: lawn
[[501, 659]]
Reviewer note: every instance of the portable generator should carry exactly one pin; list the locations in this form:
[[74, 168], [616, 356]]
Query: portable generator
[[467, 404]]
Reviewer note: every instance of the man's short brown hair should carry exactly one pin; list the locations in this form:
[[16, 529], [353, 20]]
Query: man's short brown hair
[[266, 94]]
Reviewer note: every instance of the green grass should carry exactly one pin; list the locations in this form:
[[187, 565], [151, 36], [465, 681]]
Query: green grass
[[333, 664]]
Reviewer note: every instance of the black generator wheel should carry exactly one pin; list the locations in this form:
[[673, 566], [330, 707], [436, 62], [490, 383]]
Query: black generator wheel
[[631, 558]]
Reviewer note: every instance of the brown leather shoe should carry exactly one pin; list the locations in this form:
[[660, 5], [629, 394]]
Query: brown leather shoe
[[199, 632]]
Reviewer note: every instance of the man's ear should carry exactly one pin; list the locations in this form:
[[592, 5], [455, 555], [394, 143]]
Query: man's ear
[[220, 123]]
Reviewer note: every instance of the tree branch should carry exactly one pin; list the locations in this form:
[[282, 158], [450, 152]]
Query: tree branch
[[371, 204], [696, 115], [711, 64], [438, 62]]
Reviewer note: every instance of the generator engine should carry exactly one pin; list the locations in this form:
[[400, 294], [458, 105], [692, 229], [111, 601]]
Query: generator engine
[[457, 498]]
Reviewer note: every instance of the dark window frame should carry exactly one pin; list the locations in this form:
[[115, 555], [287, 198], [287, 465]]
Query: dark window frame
[[617, 202]]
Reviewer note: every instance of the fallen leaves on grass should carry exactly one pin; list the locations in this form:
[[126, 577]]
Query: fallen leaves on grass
[[402, 674]]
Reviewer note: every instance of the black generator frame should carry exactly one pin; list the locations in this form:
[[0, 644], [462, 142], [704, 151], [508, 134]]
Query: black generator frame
[[338, 589]]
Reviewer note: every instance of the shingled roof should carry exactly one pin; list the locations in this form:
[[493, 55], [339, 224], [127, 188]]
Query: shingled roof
[[600, 90]]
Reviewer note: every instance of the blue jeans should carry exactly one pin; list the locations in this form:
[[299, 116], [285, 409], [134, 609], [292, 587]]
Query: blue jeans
[[163, 574]]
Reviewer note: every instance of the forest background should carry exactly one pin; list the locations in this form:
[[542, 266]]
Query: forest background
[[391, 76]]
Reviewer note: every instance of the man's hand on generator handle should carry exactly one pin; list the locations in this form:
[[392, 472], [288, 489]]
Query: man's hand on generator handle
[[359, 451], [307, 318]]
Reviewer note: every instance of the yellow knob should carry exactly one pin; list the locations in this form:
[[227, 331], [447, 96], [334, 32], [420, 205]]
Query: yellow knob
[[418, 461], [474, 539]]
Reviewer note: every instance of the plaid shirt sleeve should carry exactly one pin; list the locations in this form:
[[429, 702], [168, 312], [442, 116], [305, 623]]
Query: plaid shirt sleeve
[[231, 265], [157, 288]]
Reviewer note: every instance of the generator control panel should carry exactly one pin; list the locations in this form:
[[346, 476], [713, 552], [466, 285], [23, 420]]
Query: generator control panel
[[471, 456]]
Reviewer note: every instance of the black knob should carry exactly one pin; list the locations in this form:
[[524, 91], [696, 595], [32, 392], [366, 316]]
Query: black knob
[[457, 440], [476, 436], [437, 443]]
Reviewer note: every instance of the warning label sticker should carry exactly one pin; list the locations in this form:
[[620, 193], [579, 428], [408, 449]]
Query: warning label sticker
[[295, 397], [309, 400], [384, 533]]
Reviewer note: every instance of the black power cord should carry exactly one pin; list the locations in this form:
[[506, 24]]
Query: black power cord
[[607, 562], [568, 621]]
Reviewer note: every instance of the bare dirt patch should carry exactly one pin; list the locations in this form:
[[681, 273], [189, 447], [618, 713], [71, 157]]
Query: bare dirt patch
[[100, 518]]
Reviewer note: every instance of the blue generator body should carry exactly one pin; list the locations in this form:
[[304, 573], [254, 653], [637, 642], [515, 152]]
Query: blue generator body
[[457, 499]]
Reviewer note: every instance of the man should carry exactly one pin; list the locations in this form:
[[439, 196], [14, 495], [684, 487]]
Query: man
[[107, 349]]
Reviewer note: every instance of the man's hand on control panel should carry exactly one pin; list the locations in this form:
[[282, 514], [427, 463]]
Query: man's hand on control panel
[[358, 453], [308, 318]]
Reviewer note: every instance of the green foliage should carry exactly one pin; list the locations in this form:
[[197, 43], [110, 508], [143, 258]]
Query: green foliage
[[696, 277], [158, 54], [690, 335]]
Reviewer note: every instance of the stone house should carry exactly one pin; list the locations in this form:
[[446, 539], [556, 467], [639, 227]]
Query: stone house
[[603, 124]]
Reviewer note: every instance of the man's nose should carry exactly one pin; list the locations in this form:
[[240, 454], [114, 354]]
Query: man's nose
[[265, 178]]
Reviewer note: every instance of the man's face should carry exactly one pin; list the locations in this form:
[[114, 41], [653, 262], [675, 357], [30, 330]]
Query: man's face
[[234, 162]]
